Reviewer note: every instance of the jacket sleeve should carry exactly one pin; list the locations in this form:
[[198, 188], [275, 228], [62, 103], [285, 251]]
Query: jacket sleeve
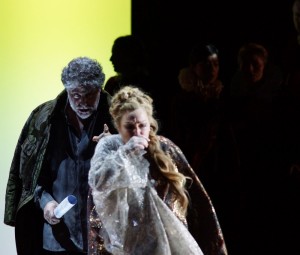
[[26, 162], [14, 184]]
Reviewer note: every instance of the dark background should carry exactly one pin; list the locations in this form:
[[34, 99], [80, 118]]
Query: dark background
[[171, 28]]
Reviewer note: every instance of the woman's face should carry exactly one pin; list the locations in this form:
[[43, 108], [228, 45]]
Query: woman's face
[[134, 123], [208, 71]]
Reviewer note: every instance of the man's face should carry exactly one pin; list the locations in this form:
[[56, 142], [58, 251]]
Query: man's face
[[253, 68], [84, 100], [296, 16]]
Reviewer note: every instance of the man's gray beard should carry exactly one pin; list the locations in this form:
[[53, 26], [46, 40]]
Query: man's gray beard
[[88, 114]]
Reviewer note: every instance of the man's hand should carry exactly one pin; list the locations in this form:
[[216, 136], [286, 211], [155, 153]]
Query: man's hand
[[105, 133], [49, 213]]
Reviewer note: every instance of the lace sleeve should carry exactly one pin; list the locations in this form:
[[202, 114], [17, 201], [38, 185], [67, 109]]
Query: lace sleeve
[[135, 220], [117, 179], [113, 168]]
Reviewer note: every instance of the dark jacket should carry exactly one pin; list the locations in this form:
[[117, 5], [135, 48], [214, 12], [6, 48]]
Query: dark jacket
[[20, 209]]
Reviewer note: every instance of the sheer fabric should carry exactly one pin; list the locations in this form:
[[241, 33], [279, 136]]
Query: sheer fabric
[[134, 218]]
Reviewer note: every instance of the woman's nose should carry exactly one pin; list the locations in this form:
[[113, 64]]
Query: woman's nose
[[137, 131]]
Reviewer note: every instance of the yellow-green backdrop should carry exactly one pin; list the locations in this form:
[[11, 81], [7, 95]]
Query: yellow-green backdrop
[[37, 39]]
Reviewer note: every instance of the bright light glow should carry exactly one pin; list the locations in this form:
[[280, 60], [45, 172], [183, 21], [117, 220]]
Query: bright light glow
[[38, 38]]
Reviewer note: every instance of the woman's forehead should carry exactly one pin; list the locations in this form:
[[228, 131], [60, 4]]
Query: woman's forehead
[[136, 115]]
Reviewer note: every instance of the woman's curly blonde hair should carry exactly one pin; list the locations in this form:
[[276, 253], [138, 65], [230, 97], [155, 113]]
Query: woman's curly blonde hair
[[130, 98]]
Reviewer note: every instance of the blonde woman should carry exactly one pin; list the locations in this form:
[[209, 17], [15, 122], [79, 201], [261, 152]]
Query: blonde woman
[[145, 198]]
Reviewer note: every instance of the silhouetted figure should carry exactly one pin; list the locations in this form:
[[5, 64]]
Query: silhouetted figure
[[291, 55], [130, 61], [202, 75], [201, 91], [291, 89], [290, 140], [201, 128], [255, 89], [256, 85]]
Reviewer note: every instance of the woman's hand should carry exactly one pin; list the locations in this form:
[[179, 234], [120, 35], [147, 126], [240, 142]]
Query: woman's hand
[[137, 143]]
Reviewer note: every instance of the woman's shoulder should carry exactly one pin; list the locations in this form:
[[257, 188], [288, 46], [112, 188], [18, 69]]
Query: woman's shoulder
[[165, 141], [168, 145]]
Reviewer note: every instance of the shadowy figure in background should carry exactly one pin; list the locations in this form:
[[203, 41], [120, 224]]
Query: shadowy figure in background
[[202, 75], [290, 140], [255, 89], [201, 128], [291, 90], [52, 160], [200, 91], [291, 57], [130, 61], [257, 78]]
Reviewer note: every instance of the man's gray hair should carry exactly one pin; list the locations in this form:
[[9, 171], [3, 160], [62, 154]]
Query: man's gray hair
[[83, 71]]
